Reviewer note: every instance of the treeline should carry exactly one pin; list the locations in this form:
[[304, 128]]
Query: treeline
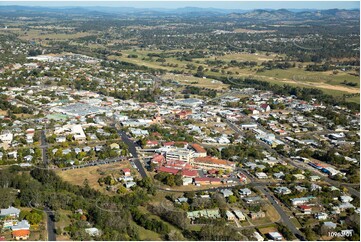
[[303, 93], [122, 65], [149, 223], [200, 91]]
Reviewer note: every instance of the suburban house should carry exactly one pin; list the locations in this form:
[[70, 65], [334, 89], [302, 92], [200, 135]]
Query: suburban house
[[275, 236], [9, 212], [257, 215], [240, 216], [282, 190], [245, 192], [230, 215], [21, 234]]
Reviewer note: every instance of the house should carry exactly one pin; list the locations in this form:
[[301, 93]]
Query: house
[[10, 212], [330, 225], [181, 200], [282, 190], [245, 192], [257, 236], [60, 139], [126, 172], [151, 143], [261, 175], [278, 175], [248, 126], [183, 114], [300, 201], [346, 199], [344, 206], [250, 200], [300, 188], [130, 184], [187, 181], [230, 215], [22, 225], [257, 215], [305, 209], [28, 158], [240, 216], [13, 154], [93, 231], [299, 176], [87, 149], [321, 216], [226, 192], [275, 236], [126, 179], [114, 146], [205, 213], [21, 234], [315, 187], [314, 178], [265, 108]]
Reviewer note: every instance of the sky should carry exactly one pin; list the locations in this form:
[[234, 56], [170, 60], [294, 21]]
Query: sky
[[246, 5]]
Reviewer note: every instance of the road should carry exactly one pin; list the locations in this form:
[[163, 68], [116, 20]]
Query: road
[[44, 148], [134, 153], [285, 218], [50, 224]]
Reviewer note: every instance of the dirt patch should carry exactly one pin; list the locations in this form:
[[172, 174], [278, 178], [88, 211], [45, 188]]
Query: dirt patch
[[326, 86]]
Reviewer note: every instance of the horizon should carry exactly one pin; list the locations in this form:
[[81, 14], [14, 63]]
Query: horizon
[[168, 5]]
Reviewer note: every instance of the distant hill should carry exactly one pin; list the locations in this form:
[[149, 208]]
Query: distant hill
[[284, 14], [258, 14]]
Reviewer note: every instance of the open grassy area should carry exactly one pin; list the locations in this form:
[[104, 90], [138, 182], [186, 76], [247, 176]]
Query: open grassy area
[[196, 81], [328, 82], [43, 34], [271, 213], [92, 173], [148, 235], [268, 229]]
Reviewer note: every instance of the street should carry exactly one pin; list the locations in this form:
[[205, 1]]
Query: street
[[134, 153], [285, 218], [50, 224]]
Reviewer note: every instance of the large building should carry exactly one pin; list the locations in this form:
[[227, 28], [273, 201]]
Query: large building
[[212, 163], [180, 154]]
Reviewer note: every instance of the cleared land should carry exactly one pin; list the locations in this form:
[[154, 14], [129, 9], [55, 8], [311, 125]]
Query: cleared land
[[92, 173]]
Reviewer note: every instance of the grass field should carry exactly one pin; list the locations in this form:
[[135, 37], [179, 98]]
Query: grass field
[[196, 81], [326, 81], [271, 213], [268, 229], [92, 173], [41, 34]]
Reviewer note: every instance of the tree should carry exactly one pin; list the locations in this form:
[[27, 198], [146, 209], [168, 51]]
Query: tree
[[232, 199]]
